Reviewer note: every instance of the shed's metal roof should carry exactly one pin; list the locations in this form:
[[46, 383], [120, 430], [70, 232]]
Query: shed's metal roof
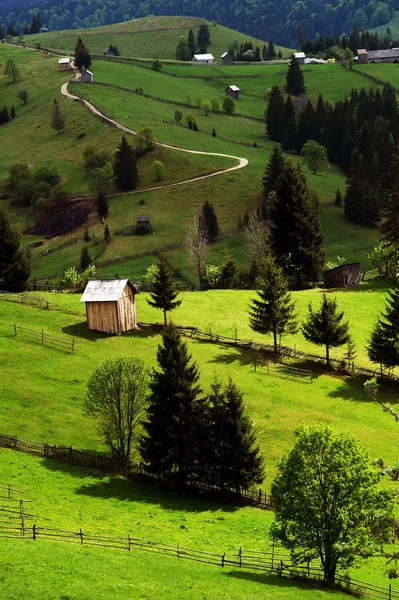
[[299, 55], [203, 56], [105, 290], [362, 51], [233, 88], [224, 54], [64, 60]]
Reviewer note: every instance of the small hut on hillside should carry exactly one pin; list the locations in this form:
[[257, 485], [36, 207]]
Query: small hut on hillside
[[87, 77], [110, 305], [206, 59], [227, 58], [342, 276], [143, 224], [233, 91], [300, 57], [64, 63]]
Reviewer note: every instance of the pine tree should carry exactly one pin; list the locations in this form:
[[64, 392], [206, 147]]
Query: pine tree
[[390, 214], [14, 264], [338, 198], [273, 312], [275, 115], [82, 57], [209, 220], [273, 170], [290, 138], [324, 327], [163, 289], [182, 49], [265, 53], [125, 168], [295, 231], [295, 83], [85, 260], [233, 458], [57, 118], [192, 46], [107, 235], [271, 50], [86, 235], [203, 38], [12, 112], [169, 445], [383, 346], [102, 206]]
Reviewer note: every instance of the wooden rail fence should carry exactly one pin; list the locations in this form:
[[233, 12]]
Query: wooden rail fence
[[46, 338], [25, 299], [265, 562]]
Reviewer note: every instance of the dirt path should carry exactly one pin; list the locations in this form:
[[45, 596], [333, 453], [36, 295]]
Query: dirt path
[[242, 162]]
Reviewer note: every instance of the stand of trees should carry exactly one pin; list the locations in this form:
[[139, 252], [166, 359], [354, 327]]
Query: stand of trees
[[14, 264]]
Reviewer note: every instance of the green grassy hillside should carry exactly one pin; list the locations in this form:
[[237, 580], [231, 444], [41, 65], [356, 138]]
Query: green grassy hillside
[[150, 37]]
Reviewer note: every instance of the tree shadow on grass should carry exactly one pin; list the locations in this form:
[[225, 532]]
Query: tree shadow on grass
[[134, 490], [355, 392], [283, 582]]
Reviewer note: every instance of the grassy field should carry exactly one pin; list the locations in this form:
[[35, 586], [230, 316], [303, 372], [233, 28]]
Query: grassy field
[[42, 393], [150, 37]]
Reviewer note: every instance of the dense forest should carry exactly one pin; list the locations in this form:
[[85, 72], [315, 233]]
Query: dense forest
[[277, 19]]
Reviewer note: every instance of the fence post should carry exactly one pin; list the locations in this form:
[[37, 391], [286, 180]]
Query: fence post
[[73, 344], [15, 329], [178, 550], [223, 559], [42, 336], [128, 542], [34, 531], [81, 536], [281, 568], [9, 490], [240, 555], [390, 591], [273, 555]]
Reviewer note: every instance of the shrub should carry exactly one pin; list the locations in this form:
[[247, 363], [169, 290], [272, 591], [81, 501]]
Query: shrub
[[70, 278], [158, 169], [228, 105], [178, 116], [156, 65], [23, 95], [215, 105]]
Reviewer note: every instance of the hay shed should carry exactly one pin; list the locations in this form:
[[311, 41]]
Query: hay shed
[[110, 305], [342, 276]]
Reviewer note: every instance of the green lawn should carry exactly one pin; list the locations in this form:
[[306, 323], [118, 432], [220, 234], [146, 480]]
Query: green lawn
[[150, 37]]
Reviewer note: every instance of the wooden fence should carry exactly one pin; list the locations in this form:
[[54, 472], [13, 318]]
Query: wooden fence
[[265, 562], [45, 338], [338, 364], [25, 299], [253, 497], [56, 248]]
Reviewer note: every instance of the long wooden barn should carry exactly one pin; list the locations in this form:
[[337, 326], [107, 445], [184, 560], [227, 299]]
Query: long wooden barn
[[110, 305]]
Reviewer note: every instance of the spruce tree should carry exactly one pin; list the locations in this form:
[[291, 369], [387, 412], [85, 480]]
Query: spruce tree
[[57, 118], [14, 265], [125, 168], [232, 455], [324, 327], [275, 115], [102, 206], [295, 232], [295, 83], [383, 346], [338, 198], [271, 50], [85, 260], [86, 235], [164, 292], [273, 170], [168, 447], [390, 214], [192, 46], [12, 112], [290, 137], [203, 38], [209, 220], [273, 312], [82, 57], [107, 235]]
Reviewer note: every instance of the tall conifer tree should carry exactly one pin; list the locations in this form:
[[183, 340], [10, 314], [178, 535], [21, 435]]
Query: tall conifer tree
[[295, 83], [169, 447], [209, 220], [14, 265], [390, 215], [295, 232], [383, 345], [125, 167], [273, 170], [163, 289], [275, 115], [192, 46]]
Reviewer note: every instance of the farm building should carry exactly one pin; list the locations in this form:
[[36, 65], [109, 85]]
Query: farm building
[[378, 56], [108, 52], [143, 224], [227, 58], [64, 63], [87, 77], [110, 305], [233, 91], [342, 276], [207, 59], [300, 57], [43, 29]]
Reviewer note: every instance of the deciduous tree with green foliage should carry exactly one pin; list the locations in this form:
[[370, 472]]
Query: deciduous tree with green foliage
[[163, 290], [101, 180], [168, 446], [12, 70], [273, 310], [228, 105], [117, 397], [182, 50], [315, 156], [325, 327], [326, 497]]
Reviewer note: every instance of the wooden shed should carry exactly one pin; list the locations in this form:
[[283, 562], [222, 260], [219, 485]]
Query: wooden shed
[[143, 224], [300, 57], [64, 63], [233, 91], [87, 77], [342, 276], [110, 305], [227, 58]]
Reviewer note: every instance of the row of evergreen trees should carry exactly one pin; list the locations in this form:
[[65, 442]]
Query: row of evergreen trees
[[195, 438], [359, 133], [187, 47], [14, 263], [356, 40]]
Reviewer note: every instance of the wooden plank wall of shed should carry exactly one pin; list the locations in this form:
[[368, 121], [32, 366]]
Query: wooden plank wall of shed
[[127, 310], [102, 316]]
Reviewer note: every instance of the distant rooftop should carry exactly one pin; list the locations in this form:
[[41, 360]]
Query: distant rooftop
[[204, 56], [233, 88]]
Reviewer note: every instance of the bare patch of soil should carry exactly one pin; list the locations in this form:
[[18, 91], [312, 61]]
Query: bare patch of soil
[[61, 217]]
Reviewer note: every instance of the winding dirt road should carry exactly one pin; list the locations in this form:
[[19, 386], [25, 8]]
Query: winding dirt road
[[241, 162]]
